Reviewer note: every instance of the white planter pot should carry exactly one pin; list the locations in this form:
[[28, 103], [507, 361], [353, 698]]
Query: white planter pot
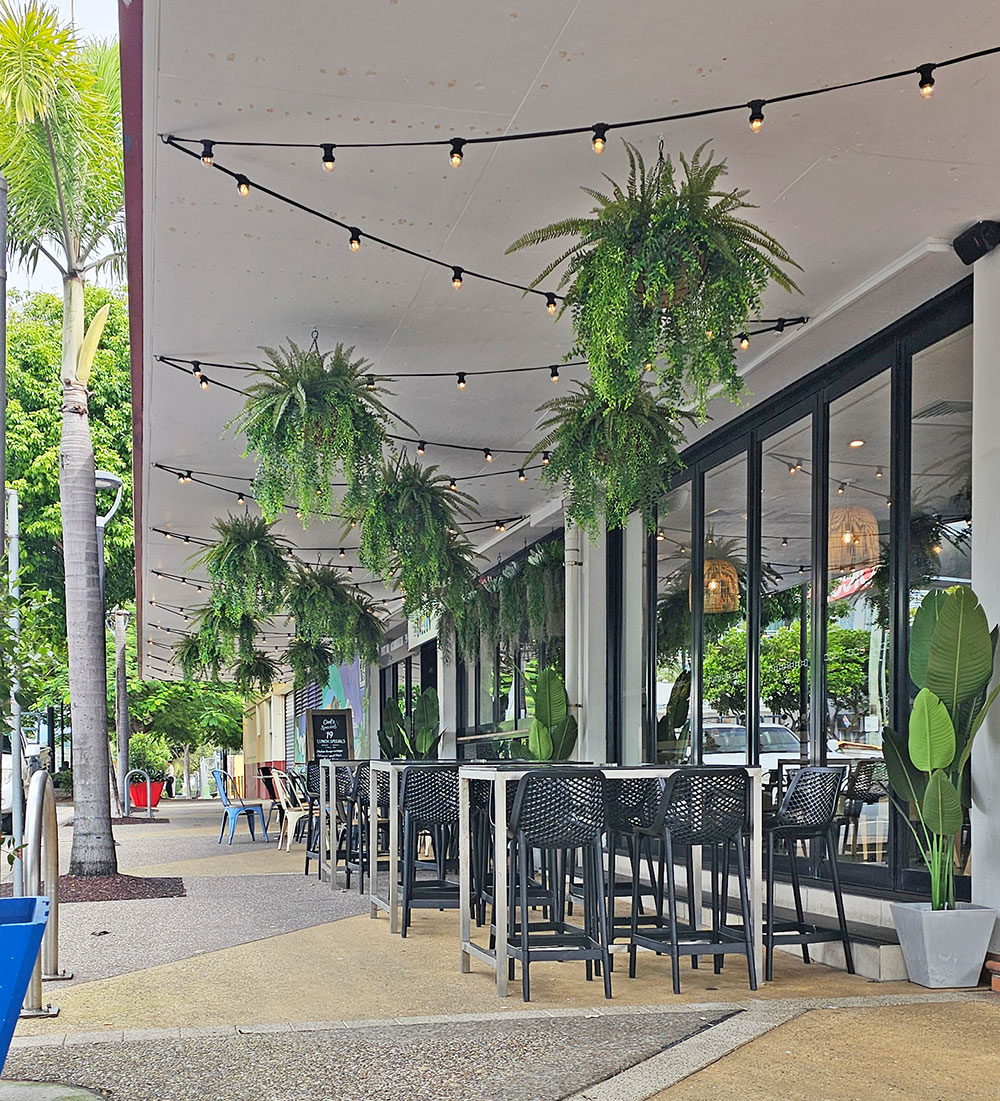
[[943, 948]]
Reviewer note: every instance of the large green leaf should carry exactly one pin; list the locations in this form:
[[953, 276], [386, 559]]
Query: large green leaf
[[980, 718], [931, 742], [550, 698], [941, 809], [563, 736], [426, 715], [539, 742], [921, 633], [960, 662], [906, 781]]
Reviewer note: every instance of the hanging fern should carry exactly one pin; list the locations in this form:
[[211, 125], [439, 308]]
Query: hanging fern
[[246, 566], [310, 660], [189, 653], [611, 459], [406, 527], [255, 674], [663, 268], [511, 608], [326, 609], [311, 415]]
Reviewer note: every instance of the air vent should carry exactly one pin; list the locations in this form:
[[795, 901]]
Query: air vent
[[942, 409]]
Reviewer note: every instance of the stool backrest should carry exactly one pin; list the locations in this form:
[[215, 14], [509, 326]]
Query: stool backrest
[[704, 806], [633, 803], [560, 807], [430, 794], [811, 799]]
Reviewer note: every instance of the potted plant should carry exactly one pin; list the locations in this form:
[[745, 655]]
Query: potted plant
[[944, 941], [412, 738], [553, 731], [311, 414], [663, 267], [151, 754], [247, 567]]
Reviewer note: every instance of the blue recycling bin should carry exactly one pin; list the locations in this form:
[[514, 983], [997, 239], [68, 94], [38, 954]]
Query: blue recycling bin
[[22, 923]]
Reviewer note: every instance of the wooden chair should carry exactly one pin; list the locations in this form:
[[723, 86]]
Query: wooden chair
[[293, 810]]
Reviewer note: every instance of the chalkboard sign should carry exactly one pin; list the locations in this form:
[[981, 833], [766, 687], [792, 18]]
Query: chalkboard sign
[[329, 735]]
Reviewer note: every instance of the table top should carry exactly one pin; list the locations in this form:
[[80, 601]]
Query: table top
[[511, 770]]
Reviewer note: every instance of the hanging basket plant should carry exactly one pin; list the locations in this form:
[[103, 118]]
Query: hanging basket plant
[[663, 268], [407, 525], [330, 612], [247, 567], [311, 415], [255, 674], [310, 660], [196, 659], [611, 459]]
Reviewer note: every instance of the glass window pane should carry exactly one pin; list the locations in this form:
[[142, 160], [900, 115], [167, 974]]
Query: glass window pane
[[724, 632], [786, 584], [859, 603], [673, 627]]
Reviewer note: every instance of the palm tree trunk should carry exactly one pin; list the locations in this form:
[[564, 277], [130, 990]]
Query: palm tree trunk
[[93, 852]]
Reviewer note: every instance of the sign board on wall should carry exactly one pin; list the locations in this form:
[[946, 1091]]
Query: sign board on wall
[[421, 629], [329, 734]]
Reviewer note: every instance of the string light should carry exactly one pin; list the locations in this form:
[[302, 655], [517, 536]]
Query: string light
[[878, 472], [554, 374], [784, 542], [370, 382], [461, 380], [453, 485], [756, 114], [207, 153], [499, 525], [926, 80], [792, 468], [243, 185], [841, 488], [343, 553], [660, 537], [744, 339], [600, 140], [421, 447], [546, 459], [203, 382], [455, 156], [550, 302], [241, 500], [798, 464], [456, 278], [487, 454], [329, 160], [355, 242], [521, 476], [649, 365], [196, 369]]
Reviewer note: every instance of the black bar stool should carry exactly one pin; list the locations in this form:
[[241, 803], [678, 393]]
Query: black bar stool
[[807, 813], [429, 801], [709, 807]]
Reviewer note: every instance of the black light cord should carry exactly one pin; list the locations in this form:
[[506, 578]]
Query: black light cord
[[599, 130], [245, 185]]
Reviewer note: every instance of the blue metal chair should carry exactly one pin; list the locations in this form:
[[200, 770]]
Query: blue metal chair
[[233, 805]]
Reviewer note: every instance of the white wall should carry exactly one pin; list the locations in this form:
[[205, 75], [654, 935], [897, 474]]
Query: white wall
[[986, 570]]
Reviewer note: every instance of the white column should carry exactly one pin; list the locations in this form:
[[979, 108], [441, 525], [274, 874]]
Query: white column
[[594, 663], [374, 710], [986, 570], [633, 633], [573, 575], [447, 690]]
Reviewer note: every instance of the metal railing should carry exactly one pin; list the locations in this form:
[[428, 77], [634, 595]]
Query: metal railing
[[41, 865], [128, 792]]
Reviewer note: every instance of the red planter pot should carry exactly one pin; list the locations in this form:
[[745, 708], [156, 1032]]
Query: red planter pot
[[137, 792]]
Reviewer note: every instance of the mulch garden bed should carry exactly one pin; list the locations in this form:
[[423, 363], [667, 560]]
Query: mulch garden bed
[[137, 820], [113, 888]]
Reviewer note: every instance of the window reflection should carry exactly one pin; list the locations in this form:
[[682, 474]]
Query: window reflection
[[673, 628]]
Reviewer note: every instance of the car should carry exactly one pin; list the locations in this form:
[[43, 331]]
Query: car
[[726, 743]]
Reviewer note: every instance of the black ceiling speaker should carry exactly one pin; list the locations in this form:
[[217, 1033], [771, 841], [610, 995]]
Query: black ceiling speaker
[[975, 242]]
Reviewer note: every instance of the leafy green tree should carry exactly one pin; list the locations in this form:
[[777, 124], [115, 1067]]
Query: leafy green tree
[[34, 421], [61, 152], [724, 672]]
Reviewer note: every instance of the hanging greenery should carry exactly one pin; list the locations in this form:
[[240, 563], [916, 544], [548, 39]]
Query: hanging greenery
[[407, 525], [311, 415], [663, 268], [255, 673], [327, 609], [611, 459], [246, 566], [188, 652], [511, 607], [310, 660]]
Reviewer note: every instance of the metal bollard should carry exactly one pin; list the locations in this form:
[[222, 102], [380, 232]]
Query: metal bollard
[[128, 797], [42, 849]]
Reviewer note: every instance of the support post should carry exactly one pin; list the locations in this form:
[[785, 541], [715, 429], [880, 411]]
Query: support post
[[121, 701], [16, 749]]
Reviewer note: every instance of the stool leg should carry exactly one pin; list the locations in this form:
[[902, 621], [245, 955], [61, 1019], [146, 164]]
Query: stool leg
[[797, 893], [716, 937], [408, 832], [745, 909], [634, 921], [597, 863], [769, 912], [525, 950], [512, 867], [831, 852], [675, 965]]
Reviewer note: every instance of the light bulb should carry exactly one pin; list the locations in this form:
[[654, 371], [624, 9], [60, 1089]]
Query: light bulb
[[456, 152], [756, 114], [521, 476], [926, 81], [207, 154], [550, 303], [343, 553], [453, 485], [856, 444], [355, 242], [421, 447], [648, 365], [461, 380], [241, 500], [554, 374], [180, 477], [546, 459], [784, 542], [203, 382], [456, 278], [713, 585], [600, 140], [798, 464], [744, 341], [243, 186], [841, 488], [848, 537], [878, 472], [196, 369], [660, 537], [329, 160], [487, 454], [370, 382]]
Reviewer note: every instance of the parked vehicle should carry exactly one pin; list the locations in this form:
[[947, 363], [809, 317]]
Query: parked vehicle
[[726, 743]]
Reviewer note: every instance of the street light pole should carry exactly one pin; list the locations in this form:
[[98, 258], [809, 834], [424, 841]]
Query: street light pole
[[16, 751], [104, 479]]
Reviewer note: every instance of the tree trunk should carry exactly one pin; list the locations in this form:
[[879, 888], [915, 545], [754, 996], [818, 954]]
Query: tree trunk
[[93, 852]]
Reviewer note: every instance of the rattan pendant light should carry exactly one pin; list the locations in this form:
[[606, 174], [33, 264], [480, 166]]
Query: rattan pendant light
[[852, 543], [722, 586]]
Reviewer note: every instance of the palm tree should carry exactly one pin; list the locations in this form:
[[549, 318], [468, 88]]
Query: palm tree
[[61, 151]]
